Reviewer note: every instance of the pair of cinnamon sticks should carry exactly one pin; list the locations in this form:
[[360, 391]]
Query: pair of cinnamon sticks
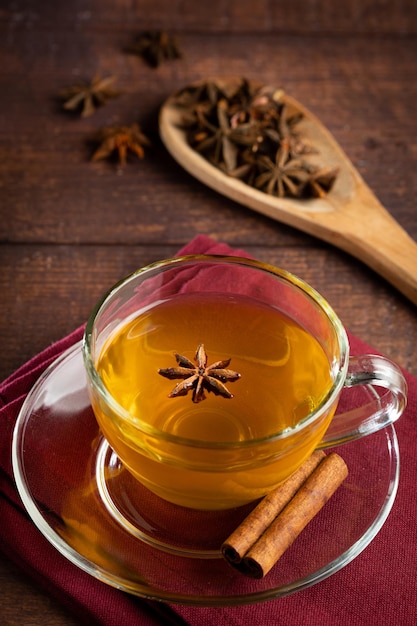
[[263, 537]]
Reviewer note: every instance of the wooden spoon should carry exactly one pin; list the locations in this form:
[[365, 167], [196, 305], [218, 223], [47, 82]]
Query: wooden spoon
[[349, 217]]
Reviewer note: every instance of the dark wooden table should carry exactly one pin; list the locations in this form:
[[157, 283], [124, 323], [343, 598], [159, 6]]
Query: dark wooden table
[[69, 228]]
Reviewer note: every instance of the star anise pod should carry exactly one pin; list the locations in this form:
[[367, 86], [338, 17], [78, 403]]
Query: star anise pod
[[321, 181], [88, 96], [284, 176], [155, 46], [199, 377], [240, 101], [215, 140], [219, 142], [195, 115], [205, 92], [121, 140]]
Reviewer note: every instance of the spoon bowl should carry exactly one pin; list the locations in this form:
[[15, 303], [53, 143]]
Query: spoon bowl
[[350, 216]]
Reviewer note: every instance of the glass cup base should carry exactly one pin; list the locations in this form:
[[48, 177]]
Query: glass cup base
[[161, 524]]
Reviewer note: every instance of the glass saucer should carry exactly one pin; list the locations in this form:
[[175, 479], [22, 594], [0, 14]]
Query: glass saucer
[[80, 497]]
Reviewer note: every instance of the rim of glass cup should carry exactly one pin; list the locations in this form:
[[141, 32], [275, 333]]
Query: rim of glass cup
[[339, 368]]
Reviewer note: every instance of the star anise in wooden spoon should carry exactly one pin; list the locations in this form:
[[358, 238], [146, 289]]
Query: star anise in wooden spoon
[[321, 181], [120, 140], [199, 376], [284, 176], [251, 132], [87, 97]]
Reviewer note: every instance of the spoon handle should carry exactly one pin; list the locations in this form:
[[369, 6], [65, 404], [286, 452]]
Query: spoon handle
[[394, 257], [359, 225], [365, 229]]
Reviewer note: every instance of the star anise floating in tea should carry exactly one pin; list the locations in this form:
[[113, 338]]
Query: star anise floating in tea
[[155, 47], [250, 132], [199, 376], [119, 141], [87, 97]]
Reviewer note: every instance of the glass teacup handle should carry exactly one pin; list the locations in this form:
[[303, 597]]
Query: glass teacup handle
[[386, 391]]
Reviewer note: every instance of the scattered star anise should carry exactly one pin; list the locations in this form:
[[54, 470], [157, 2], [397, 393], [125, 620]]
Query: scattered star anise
[[199, 377], [121, 140], [87, 97], [250, 132], [155, 46]]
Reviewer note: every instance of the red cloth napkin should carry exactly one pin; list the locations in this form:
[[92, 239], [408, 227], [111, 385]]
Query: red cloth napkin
[[378, 587]]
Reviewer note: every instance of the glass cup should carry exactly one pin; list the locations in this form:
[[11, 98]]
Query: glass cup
[[213, 378]]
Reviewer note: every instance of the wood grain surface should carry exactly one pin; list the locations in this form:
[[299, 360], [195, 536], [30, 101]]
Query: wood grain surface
[[69, 228]]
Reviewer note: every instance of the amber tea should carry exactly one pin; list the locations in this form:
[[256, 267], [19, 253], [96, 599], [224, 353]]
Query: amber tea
[[282, 375]]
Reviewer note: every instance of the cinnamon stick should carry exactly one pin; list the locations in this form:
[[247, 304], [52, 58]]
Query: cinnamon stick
[[255, 524], [309, 499]]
